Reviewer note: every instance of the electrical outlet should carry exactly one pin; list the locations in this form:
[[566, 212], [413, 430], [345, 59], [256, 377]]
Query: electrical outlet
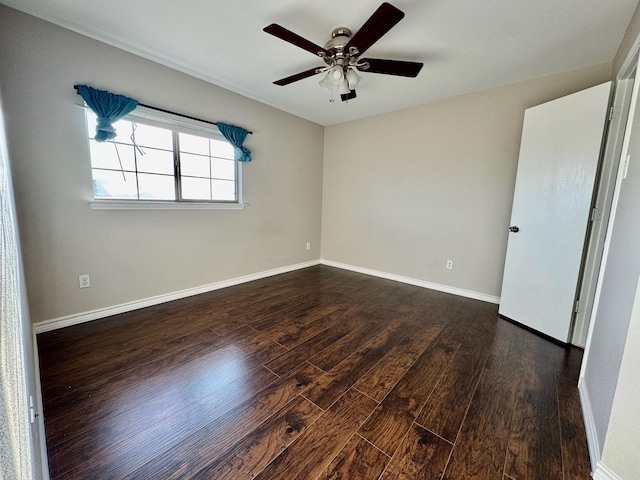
[[449, 264], [83, 280], [308, 246]]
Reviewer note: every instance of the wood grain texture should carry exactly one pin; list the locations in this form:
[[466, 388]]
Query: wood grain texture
[[274, 379], [99, 452], [392, 418], [421, 456], [303, 352], [534, 449], [572, 432], [480, 448], [363, 327], [139, 397], [253, 452], [308, 456], [379, 381], [330, 386], [217, 437], [358, 459], [447, 406]]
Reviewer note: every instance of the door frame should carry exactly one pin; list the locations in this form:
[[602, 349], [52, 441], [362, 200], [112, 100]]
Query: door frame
[[621, 139], [603, 204]]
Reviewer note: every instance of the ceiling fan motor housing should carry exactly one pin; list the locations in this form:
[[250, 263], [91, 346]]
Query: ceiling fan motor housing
[[339, 39]]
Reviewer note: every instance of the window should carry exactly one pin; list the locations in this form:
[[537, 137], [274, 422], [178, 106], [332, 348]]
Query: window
[[156, 159]]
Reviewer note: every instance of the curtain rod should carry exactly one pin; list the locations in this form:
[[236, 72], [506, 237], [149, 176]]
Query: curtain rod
[[171, 113]]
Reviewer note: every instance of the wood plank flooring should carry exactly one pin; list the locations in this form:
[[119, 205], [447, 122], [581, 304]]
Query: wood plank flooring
[[315, 374]]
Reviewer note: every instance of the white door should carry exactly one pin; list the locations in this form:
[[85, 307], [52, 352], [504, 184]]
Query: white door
[[559, 154]]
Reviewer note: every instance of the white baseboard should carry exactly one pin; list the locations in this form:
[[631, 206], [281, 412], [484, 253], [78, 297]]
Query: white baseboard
[[75, 319], [78, 318], [602, 472], [413, 281], [589, 424], [42, 443]]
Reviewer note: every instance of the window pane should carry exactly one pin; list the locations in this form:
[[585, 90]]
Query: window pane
[[111, 184], [221, 148], [196, 188], [225, 169], [123, 128], [156, 187], [194, 165], [148, 136], [223, 190], [104, 155], [155, 161], [194, 144]]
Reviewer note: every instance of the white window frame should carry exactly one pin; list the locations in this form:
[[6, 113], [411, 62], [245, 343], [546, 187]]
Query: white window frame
[[173, 122]]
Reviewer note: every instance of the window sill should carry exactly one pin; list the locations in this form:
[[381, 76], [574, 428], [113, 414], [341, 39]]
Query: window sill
[[142, 205]]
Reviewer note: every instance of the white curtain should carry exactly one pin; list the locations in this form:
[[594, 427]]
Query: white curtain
[[15, 442]]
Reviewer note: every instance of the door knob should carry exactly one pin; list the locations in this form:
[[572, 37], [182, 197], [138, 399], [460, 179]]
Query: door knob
[[514, 229]]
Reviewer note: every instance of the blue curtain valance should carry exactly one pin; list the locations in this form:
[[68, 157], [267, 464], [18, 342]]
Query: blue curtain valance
[[235, 136], [109, 108]]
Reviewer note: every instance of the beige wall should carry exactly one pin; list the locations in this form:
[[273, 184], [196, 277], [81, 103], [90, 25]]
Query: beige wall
[[133, 255], [405, 191]]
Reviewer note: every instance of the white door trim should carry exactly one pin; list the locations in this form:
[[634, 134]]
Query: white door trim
[[621, 140]]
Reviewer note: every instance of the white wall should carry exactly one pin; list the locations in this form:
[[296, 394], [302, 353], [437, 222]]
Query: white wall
[[609, 383], [405, 191], [616, 295], [133, 255], [622, 442]]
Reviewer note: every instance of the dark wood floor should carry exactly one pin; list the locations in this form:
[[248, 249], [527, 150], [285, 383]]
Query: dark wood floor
[[315, 374]]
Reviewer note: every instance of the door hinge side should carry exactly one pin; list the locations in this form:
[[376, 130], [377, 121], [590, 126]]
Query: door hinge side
[[611, 111], [576, 309]]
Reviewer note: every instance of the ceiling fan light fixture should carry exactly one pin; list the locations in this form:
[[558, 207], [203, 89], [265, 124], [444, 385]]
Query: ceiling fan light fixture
[[352, 78], [343, 88], [326, 82], [336, 75]]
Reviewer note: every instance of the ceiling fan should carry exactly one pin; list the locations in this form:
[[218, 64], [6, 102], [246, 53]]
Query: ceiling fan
[[342, 53]]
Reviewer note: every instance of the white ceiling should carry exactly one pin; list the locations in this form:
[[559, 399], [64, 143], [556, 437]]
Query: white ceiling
[[466, 45]]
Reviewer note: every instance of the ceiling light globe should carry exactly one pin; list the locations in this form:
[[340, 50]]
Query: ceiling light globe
[[326, 82], [353, 78], [343, 88], [337, 75]]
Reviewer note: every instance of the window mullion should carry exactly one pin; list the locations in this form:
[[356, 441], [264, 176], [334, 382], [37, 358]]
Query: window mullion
[[210, 173], [135, 158], [176, 165]]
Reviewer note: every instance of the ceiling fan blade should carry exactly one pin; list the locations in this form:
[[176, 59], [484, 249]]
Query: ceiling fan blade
[[298, 76], [293, 38], [348, 96], [382, 20], [391, 67]]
